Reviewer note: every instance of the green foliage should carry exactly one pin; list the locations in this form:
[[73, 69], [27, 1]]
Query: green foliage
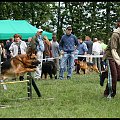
[[80, 97], [87, 18]]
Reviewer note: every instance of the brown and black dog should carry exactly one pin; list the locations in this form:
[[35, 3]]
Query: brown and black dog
[[19, 65], [87, 67]]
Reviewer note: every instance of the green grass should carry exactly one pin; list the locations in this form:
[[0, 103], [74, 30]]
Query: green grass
[[80, 97]]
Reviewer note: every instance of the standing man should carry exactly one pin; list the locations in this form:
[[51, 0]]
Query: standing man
[[39, 48], [7, 46], [67, 47], [55, 50], [96, 50], [112, 54], [82, 50], [89, 44]]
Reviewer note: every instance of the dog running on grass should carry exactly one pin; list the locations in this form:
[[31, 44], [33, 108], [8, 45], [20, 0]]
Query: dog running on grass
[[87, 67], [19, 65]]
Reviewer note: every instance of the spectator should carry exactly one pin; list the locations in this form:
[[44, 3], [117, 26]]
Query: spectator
[[39, 48], [7, 46], [3, 52], [112, 54], [55, 50], [67, 47], [103, 45], [47, 52], [18, 47], [82, 48], [29, 41], [89, 44], [96, 50], [103, 63], [75, 59]]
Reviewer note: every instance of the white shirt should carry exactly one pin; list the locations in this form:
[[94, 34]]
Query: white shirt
[[96, 48], [14, 48]]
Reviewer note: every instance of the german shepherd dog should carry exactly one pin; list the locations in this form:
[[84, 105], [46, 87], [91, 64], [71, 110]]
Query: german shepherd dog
[[19, 65], [87, 67]]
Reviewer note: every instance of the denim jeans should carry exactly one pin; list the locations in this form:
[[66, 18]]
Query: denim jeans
[[67, 61], [38, 71]]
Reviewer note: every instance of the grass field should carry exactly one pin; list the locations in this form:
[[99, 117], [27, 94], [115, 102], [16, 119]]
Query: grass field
[[80, 97]]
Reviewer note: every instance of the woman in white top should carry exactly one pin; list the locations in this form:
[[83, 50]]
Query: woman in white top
[[18, 47]]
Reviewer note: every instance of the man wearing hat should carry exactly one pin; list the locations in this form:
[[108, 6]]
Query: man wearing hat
[[67, 47], [112, 54], [40, 48]]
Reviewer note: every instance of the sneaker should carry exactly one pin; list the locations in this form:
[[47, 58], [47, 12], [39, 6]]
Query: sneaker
[[61, 78], [37, 78], [68, 77]]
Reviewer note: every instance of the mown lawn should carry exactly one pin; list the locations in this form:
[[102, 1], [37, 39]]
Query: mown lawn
[[80, 97]]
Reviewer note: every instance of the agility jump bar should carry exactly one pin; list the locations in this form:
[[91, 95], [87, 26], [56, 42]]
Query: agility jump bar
[[29, 90], [14, 82]]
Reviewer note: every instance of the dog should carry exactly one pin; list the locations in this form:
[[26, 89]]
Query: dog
[[49, 67], [19, 65], [87, 67]]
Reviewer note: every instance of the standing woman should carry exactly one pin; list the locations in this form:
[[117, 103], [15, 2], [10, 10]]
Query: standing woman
[[18, 47], [47, 52]]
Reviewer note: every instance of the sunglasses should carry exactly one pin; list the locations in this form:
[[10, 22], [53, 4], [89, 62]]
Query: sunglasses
[[69, 29]]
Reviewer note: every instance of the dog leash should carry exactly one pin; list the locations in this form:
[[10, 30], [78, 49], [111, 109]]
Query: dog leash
[[109, 80]]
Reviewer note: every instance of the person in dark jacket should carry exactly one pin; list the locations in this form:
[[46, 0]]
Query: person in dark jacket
[[8, 43], [82, 50], [89, 44], [67, 47]]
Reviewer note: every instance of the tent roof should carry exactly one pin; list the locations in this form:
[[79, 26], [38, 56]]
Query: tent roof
[[10, 27]]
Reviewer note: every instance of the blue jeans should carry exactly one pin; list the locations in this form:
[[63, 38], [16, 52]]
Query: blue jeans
[[67, 61]]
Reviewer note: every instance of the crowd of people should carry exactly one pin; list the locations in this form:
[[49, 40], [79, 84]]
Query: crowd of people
[[65, 51]]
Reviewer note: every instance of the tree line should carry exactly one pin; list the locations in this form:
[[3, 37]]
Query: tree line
[[95, 19]]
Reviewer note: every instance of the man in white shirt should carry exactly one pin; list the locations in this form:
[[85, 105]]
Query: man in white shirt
[[96, 50]]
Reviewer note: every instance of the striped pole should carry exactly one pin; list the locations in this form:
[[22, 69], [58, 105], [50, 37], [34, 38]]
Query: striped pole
[[29, 85]]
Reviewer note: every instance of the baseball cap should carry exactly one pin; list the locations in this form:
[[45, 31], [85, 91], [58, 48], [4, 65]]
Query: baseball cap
[[69, 27], [40, 30]]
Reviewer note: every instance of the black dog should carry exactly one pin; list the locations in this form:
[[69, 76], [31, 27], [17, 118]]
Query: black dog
[[49, 67]]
